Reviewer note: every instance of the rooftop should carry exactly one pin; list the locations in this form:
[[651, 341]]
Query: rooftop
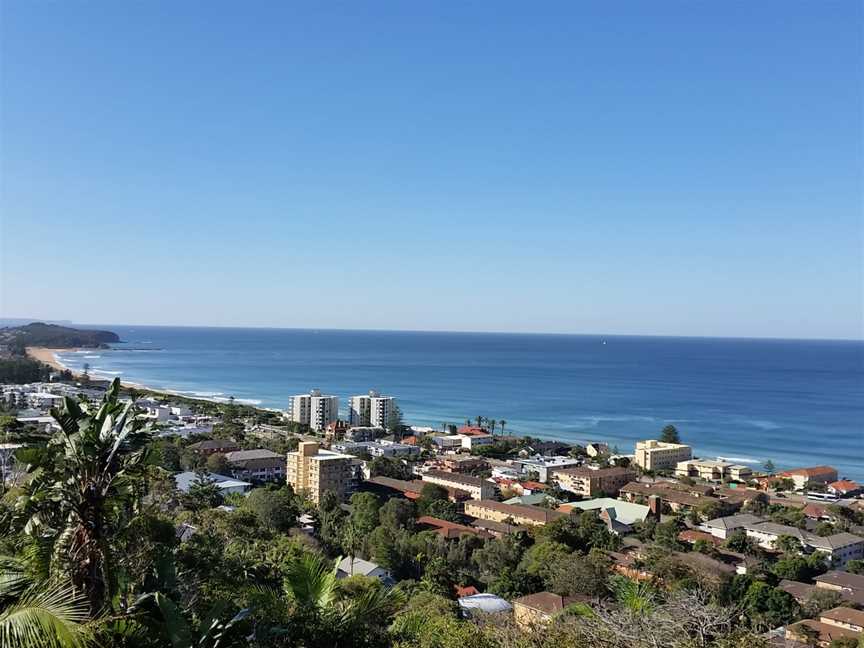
[[624, 512], [456, 478], [244, 455], [733, 521], [547, 602], [844, 615], [535, 513], [842, 579]]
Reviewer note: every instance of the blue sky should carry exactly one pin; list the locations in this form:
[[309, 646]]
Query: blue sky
[[679, 168]]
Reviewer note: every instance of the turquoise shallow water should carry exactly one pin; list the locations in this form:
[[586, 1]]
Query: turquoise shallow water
[[795, 402]]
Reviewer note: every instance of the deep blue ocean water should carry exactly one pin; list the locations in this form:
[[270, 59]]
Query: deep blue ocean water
[[794, 402]]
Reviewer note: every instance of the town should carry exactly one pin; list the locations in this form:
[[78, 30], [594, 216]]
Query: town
[[512, 531]]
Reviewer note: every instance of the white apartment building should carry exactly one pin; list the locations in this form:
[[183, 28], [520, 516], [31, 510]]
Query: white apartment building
[[371, 409], [313, 409], [657, 455]]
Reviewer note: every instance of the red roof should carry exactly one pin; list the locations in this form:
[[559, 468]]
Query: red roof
[[473, 430], [533, 485], [814, 471], [692, 536], [845, 485], [466, 591], [410, 440]]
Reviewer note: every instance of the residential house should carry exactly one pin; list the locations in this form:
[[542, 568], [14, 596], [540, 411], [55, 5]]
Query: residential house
[[619, 515], [355, 566], [226, 485], [597, 449], [539, 609], [845, 488], [801, 477], [448, 530]]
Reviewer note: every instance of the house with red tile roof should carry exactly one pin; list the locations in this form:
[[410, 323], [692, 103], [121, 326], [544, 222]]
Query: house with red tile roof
[[845, 488]]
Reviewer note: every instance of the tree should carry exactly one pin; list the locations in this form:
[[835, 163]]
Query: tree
[[312, 586], [669, 434], [203, 494], [397, 514], [86, 488], [364, 512], [855, 566], [788, 544], [502, 423], [217, 463], [769, 467], [443, 510], [543, 557], [430, 493], [580, 575], [162, 616], [276, 509], [36, 614]]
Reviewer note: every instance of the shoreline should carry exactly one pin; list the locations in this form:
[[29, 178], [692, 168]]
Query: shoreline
[[48, 356]]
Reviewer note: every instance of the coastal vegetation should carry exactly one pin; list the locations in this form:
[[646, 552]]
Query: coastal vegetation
[[54, 336]]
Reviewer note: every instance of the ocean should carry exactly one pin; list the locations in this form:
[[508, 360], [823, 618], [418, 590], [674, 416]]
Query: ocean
[[795, 402]]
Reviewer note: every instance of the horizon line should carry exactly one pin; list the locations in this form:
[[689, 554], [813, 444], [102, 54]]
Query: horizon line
[[450, 331]]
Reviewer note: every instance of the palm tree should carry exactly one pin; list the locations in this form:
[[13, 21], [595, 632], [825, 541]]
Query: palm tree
[[312, 584], [491, 423], [502, 423], [36, 614], [86, 487], [479, 421], [639, 597], [351, 541], [160, 615]]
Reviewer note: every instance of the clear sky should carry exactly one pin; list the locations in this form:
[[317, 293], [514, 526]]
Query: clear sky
[[683, 168]]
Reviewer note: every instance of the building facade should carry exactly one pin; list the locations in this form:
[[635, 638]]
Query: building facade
[[588, 482], [372, 410], [475, 486], [512, 514], [314, 409], [315, 471], [657, 455], [713, 470]]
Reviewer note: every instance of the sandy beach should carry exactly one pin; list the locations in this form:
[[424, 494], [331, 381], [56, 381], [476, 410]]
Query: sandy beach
[[48, 356]]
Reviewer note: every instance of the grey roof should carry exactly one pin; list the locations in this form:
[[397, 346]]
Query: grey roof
[[835, 541], [626, 513], [733, 521], [259, 453], [185, 480], [361, 567], [488, 603]]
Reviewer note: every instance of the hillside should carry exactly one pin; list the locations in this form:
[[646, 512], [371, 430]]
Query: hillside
[[54, 336]]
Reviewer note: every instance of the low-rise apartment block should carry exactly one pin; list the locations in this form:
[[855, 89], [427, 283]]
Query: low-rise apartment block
[[838, 548], [589, 482], [658, 455], [479, 489], [513, 514], [256, 465], [544, 466], [713, 470], [315, 471], [376, 449]]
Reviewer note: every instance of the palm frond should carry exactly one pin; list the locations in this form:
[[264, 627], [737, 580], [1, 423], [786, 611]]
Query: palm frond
[[311, 581], [45, 618]]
